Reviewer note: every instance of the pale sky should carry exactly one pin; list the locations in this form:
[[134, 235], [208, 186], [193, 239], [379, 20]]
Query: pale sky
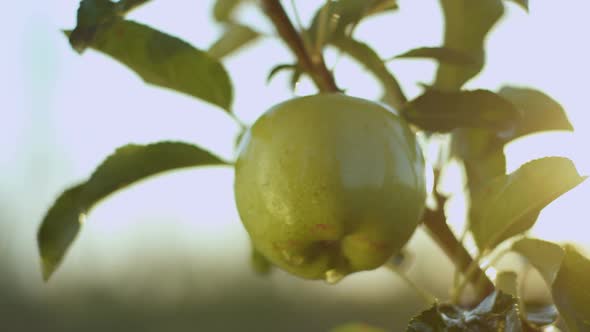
[[63, 113]]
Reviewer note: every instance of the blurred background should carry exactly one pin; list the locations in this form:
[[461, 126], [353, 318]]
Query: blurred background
[[170, 254]]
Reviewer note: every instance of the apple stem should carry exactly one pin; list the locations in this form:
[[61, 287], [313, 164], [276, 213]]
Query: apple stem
[[315, 67]]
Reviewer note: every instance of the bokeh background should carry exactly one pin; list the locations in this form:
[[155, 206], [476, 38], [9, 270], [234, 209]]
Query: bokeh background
[[170, 253]]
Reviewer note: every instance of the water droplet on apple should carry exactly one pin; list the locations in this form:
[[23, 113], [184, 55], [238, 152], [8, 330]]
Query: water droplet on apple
[[333, 276], [298, 260]]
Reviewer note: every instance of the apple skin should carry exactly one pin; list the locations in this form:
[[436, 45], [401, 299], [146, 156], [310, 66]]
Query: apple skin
[[329, 184]]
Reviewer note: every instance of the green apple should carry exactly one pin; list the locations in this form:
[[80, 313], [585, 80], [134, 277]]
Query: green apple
[[329, 184]]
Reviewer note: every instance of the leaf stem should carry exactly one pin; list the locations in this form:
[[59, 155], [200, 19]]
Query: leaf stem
[[425, 295], [317, 69]]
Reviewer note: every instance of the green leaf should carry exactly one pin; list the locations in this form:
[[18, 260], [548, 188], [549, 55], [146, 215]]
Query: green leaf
[[498, 312], [356, 327], [509, 204], [234, 37], [91, 14], [165, 61], [295, 70], [539, 111], [467, 24], [279, 68], [566, 271], [544, 256], [343, 14], [441, 54], [570, 291], [482, 154], [523, 3], [125, 6], [95, 12], [366, 56], [126, 166], [443, 111], [224, 10]]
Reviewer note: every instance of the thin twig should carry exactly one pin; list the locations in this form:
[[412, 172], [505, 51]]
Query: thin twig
[[317, 70], [468, 274], [425, 295], [438, 229], [457, 276]]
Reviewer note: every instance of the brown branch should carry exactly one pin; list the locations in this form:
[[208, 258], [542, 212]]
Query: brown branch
[[315, 66], [438, 229]]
